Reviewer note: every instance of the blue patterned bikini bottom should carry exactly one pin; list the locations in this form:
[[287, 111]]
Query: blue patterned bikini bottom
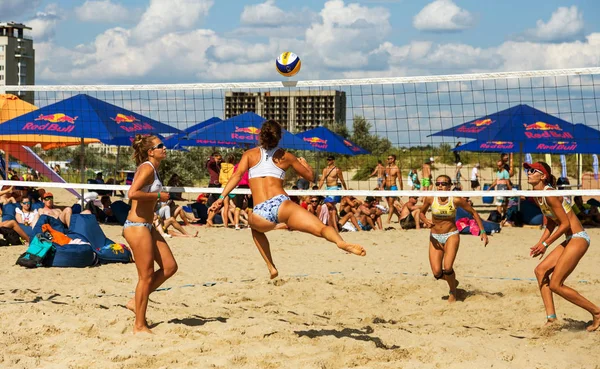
[[269, 209], [582, 234], [442, 238]]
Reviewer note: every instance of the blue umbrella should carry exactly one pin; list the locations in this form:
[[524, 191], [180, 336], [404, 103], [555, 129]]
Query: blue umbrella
[[84, 116], [187, 137], [242, 131], [521, 123], [324, 139]]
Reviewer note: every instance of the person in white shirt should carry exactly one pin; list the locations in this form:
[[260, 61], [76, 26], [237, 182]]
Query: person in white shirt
[[475, 176], [26, 216]]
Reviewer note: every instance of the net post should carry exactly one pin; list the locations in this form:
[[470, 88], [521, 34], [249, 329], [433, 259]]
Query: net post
[[82, 169]]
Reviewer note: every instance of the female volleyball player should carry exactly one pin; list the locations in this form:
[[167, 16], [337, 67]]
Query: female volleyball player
[[266, 167], [552, 272], [146, 242], [444, 239]]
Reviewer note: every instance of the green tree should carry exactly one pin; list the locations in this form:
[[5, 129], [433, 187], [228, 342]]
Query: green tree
[[363, 137]]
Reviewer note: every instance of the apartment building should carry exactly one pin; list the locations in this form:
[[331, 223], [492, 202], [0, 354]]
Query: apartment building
[[17, 58], [296, 110]]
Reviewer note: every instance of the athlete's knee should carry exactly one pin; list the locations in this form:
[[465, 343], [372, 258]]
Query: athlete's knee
[[555, 285], [170, 270], [448, 271], [540, 272], [437, 273]]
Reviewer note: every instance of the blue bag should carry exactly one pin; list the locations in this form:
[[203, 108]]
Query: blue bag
[[39, 249]]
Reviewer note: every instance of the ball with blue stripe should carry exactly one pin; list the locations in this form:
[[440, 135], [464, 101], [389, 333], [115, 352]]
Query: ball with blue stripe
[[288, 64]]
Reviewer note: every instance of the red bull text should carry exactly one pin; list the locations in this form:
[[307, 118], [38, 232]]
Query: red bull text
[[215, 142], [54, 123], [546, 131], [558, 146], [497, 145]]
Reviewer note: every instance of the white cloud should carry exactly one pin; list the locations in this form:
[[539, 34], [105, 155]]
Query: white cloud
[[347, 33], [565, 24], [347, 41], [43, 25], [267, 14], [170, 16], [10, 9], [101, 11], [443, 15]]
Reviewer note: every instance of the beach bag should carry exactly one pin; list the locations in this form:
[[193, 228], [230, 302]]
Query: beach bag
[[11, 236], [39, 249], [495, 216], [114, 253]]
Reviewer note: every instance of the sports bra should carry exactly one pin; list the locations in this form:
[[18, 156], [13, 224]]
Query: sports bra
[[155, 186], [265, 167], [547, 210], [445, 211]]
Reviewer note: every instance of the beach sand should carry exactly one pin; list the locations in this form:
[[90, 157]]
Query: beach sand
[[327, 309]]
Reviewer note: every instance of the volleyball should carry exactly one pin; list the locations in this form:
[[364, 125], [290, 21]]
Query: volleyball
[[288, 64]]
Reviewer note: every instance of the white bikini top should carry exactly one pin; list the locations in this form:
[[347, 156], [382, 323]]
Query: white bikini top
[[265, 167], [155, 186]]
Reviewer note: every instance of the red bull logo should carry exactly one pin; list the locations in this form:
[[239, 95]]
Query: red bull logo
[[482, 122], [135, 127], [497, 145], [122, 118], [316, 142], [562, 146], [57, 118], [248, 130], [54, 123], [245, 133], [351, 146], [542, 126], [476, 126], [547, 131]]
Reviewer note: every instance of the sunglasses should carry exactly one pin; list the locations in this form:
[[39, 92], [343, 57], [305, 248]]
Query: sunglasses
[[532, 171], [443, 183], [25, 203], [314, 200], [159, 146], [48, 198]]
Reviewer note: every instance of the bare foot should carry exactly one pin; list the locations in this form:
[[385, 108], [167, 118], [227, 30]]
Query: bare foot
[[595, 323], [196, 234], [354, 249], [451, 297], [131, 305], [209, 223], [143, 329], [550, 321], [274, 272]]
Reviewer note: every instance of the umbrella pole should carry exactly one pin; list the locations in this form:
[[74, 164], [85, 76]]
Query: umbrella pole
[[7, 161], [520, 172], [82, 170], [117, 162], [579, 170]]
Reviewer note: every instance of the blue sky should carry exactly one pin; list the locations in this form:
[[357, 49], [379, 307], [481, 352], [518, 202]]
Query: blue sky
[[185, 41]]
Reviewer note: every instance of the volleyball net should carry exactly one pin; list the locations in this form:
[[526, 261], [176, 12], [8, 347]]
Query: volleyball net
[[456, 125]]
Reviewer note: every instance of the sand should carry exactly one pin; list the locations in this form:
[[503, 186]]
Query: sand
[[327, 309]]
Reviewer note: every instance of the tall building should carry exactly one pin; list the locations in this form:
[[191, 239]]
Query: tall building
[[17, 58], [295, 110]]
